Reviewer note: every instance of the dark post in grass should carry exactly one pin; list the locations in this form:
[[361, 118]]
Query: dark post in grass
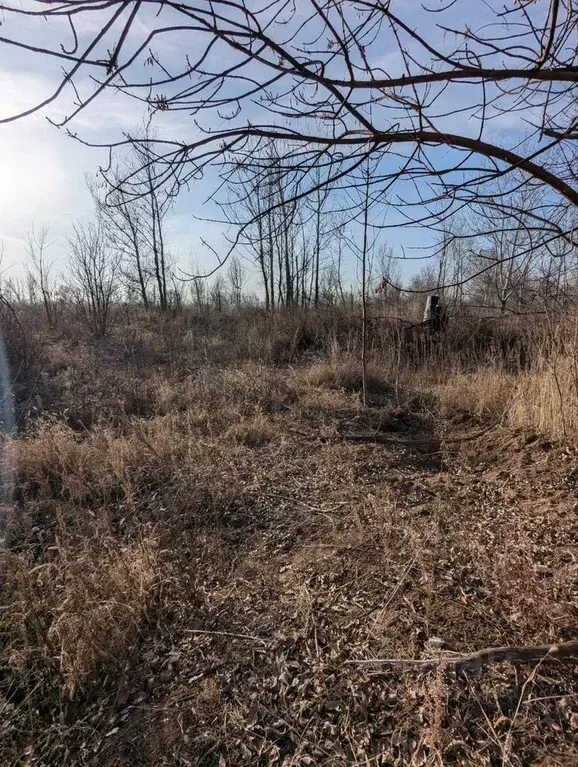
[[435, 314]]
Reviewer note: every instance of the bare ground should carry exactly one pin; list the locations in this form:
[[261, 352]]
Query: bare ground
[[285, 551]]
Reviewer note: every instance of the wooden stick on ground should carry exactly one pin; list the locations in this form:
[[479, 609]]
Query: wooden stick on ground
[[565, 651], [381, 439]]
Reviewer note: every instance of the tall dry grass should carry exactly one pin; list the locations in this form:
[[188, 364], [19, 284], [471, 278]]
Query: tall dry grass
[[546, 399], [484, 393], [118, 441], [75, 617], [539, 396], [137, 460], [519, 370]]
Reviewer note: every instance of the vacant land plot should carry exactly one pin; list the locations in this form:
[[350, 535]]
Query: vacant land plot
[[197, 555]]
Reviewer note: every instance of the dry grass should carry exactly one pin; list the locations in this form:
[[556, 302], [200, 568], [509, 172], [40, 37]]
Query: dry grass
[[542, 400], [344, 374], [488, 394], [194, 550], [81, 610], [547, 400]]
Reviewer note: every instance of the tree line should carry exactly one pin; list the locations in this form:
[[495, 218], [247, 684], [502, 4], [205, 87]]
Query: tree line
[[292, 252]]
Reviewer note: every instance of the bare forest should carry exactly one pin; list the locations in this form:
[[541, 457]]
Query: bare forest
[[305, 494]]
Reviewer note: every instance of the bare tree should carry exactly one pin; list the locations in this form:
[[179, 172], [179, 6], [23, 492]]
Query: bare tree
[[217, 293], [453, 75], [556, 278], [425, 280], [198, 289], [507, 248], [31, 288], [283, 222], [40, 267], [247, 201], [340, 244], [274, 234], [317, 202], [389, 274], [236, 277], [454, 262], [365, 248], [364, 252], [14, 291], [93, 275], [135, 223], [10, 294], [157, 208], [122, 218]]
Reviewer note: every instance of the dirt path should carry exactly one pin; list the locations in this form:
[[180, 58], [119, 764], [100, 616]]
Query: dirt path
[[352, 551]]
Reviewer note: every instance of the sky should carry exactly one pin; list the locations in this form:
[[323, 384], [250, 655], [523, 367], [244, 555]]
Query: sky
[[44, 171]]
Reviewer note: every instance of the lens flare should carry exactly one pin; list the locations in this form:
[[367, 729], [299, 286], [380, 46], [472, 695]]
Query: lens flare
[[6, 431]]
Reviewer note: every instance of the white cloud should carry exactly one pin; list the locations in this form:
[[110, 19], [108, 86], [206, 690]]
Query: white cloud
[[42, 171]]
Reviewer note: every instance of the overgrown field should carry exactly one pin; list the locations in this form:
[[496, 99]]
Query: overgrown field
[[204, 527]]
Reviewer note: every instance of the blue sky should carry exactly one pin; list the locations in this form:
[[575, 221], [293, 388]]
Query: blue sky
[[43, 170]]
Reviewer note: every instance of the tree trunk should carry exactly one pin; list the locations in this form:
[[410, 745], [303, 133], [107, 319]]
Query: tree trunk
[[364, 291]]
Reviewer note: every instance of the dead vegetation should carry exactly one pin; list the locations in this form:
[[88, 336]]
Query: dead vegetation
[[194, 551]]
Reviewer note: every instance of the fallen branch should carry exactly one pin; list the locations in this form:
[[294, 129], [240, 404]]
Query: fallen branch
[[228, 634], [565, 651], [380, 439]]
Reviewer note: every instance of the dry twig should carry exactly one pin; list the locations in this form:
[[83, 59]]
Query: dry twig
[[565, 651]]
